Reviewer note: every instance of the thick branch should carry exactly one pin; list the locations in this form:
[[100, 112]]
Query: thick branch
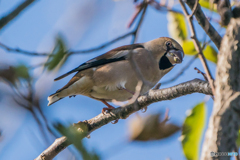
[[224, 10], [194, 86], [223, 126], [6, 19], [204, 23]]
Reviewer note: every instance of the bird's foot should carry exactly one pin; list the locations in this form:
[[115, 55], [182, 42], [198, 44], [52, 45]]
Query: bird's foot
[[114, 122], [107, 109], [72, 96]]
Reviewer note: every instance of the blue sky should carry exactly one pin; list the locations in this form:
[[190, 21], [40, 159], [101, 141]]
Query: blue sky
[[84, 24]]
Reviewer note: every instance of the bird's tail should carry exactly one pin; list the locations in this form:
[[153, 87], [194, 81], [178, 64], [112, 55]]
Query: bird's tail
[[53, 98]]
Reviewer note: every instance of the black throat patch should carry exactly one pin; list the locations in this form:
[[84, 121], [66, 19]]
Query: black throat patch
[[164, 63]]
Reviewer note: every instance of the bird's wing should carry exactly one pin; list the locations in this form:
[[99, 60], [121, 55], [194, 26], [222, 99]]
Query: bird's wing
[[117, 54]]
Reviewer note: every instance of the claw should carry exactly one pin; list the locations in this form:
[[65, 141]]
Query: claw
[[144, 110], [72, 96], [106, 109], [114, 122], [109, 107]]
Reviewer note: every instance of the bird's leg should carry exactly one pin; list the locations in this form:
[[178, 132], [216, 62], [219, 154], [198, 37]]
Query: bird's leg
[[108, 109], [121, 88], [72, 96]]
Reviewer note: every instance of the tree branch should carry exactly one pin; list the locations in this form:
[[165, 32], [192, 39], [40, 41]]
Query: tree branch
[[197, 44], [193, 86], [224, 123], [204, 23], [224, 10], [102, 46], [6, 19], [162, 7]]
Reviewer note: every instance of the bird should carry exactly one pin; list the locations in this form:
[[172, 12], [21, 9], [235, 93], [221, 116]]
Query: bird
[[110, 76]]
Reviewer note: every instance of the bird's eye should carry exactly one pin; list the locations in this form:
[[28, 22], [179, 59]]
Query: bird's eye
[[169, 44]]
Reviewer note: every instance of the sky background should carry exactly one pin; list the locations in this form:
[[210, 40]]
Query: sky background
[[84, 24]]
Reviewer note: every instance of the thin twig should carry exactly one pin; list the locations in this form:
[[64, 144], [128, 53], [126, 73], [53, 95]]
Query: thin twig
[[103, 45], [72, 52], [135, 32], [194, 9], [139, 8], [6, 19], [22, 51], [204, 23], [29, 53], [162, 7], [197, 46], [203, 74]]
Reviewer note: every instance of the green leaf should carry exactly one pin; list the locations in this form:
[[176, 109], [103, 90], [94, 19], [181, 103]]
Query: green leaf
[[58, 56], [189, 48], [210, 54], [193, 130], [238, 139], [22, 72], [177, 26], [206, 4]]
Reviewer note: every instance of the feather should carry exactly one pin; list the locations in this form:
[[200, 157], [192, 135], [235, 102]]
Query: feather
[[53, 98], [117, 54]]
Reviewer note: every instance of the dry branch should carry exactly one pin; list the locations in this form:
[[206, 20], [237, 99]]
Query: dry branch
[[193, 86]]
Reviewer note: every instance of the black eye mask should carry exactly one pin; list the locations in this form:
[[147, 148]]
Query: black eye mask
[[164, 62]]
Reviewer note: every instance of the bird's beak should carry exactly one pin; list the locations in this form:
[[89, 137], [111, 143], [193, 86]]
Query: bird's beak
[[177, 55]]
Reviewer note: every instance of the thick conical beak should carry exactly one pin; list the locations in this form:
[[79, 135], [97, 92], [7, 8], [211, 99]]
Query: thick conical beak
[[177, 56]]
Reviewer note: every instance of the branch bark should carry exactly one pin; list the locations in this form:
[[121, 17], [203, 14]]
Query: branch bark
[[224, 10], [6, 19], [204, 23], [224, 123], [193, 86]]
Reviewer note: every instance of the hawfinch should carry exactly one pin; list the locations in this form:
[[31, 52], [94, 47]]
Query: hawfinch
[[111, 76]]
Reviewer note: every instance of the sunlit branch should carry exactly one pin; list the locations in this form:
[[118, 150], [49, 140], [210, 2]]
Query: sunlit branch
[[156, 95]]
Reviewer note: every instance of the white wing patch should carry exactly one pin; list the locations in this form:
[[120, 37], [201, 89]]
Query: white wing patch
[[114, 87]]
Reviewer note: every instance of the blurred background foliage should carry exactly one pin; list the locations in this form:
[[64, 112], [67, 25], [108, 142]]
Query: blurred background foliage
[[26, 79]]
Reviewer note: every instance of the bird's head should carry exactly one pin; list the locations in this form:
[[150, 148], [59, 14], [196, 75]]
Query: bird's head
[[166, 51], [174, 54]]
